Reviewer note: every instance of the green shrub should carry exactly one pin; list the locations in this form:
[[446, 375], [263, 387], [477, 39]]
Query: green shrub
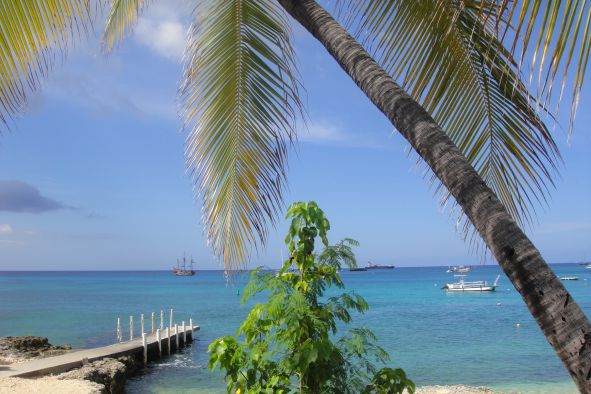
[[288, 343]]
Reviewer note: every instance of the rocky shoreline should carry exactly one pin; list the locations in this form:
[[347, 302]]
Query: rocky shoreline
[[108, 376], [103, 376], [20, 349]]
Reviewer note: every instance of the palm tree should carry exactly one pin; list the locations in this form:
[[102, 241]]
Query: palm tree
[[240, 101]]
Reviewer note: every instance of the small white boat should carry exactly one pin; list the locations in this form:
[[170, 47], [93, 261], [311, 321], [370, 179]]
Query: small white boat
[[459, 269], [569, 278], [462, 285], [588, 266]]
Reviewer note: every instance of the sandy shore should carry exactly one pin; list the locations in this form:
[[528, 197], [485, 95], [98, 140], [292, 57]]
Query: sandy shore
[[48, 385], [459, 389]]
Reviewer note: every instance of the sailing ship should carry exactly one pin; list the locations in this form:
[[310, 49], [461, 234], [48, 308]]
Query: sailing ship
[[181, 270], [462, 285]]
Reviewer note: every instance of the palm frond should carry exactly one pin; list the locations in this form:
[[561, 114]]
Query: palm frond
[[552, 39], [32, 32], [240, 101], [123, 14], [449, 58]]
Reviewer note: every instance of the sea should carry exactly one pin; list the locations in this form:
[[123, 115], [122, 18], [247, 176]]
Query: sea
[[438, 338]]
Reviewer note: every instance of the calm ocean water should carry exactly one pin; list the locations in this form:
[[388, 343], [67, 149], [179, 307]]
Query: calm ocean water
[[438, 338]]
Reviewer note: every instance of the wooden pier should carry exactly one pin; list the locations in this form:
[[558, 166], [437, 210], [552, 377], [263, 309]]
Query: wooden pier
[[163, 342]]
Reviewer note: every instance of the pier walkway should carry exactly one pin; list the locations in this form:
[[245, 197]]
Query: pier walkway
[[151, 346]]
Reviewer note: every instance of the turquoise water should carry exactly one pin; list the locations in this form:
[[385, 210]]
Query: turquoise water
[[438, 338]]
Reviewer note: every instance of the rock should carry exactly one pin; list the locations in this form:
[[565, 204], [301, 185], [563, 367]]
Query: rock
[[109, 372], [16, 349], [132, 364]]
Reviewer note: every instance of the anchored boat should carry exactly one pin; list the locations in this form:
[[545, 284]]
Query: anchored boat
[[462, 285], [181, 270], [459, 269], [372, 266]]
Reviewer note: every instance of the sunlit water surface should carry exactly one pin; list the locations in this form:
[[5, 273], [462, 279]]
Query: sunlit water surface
[[438, 338]]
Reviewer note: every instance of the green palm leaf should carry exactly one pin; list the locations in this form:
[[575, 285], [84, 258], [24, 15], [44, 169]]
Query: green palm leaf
[[31, 33], [449, 57], [123, 14], [552, 39], [239, 101]]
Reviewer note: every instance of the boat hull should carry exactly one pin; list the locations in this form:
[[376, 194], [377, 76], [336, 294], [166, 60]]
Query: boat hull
[[184, 273], [469, 289]]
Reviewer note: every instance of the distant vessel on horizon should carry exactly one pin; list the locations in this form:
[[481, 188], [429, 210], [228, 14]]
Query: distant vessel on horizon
[[372, 266], [182, 270], [459, 269]]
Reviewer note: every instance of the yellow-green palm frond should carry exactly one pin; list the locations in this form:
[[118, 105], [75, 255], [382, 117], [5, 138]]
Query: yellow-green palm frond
[[240, 101], [449, 58], [123, 14], [551, 39], [31, 33]]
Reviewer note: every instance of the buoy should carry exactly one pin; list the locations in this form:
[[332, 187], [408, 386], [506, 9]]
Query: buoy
[[518, 325]]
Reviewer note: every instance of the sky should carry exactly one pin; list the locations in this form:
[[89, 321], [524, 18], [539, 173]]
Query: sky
[[92, 176]]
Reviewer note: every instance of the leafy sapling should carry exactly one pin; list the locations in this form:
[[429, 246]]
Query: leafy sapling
[[289, 344]]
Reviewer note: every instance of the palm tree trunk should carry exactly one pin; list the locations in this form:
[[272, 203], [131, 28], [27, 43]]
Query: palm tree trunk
[[563, 323]]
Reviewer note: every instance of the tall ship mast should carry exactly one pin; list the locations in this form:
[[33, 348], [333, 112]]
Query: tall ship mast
[[181, 270]]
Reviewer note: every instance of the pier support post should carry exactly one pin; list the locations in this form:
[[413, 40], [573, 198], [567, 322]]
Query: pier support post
[[171, 320], [176, 337], [184, 334], [168, 336], [152, 323], [131, 328], [159, 340], [145, 345], [191, 328], [119, 332], [161, 319], [142, 323]]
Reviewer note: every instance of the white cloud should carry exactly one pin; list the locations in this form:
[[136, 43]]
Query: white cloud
[[163, 29], [5, 229], [166, 38], [325, 133]]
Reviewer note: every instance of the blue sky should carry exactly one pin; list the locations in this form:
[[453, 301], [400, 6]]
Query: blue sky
[[92, 176]]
